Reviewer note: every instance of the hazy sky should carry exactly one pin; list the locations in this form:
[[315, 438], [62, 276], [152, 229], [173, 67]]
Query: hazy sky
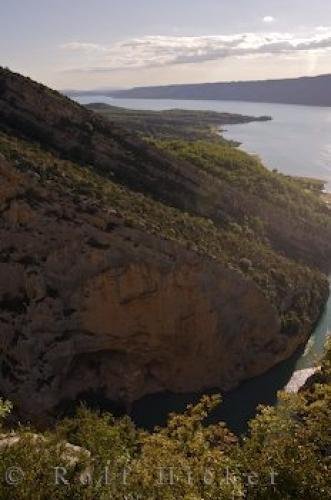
[[110, 43]]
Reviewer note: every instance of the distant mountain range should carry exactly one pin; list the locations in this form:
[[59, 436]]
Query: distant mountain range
[[99, 91], [311, 91]]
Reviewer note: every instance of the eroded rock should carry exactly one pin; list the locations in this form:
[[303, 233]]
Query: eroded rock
[[88, 304]]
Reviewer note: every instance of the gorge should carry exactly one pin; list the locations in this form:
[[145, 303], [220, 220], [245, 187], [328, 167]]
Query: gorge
[[137, 263]]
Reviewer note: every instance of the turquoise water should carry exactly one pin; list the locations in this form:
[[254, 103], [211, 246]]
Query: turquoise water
[[297, 142], [315, 346]]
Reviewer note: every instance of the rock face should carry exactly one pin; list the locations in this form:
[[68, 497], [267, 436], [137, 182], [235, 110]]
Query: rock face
[[88, 304], [300, 377]]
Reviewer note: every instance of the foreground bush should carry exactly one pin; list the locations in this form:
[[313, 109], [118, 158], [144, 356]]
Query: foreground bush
[[285, 455]]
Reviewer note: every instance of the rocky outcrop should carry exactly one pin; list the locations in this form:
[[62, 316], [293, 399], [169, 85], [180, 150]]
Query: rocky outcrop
[[300, 377], [89, 304]]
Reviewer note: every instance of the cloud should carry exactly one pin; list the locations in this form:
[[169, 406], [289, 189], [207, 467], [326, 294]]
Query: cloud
[[268, 19], [85, 47], [323, 28], [156, 51]]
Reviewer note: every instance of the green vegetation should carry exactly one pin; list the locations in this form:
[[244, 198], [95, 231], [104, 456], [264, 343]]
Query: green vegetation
[[173, 123], [309, 184], [193, 136], [285, 455], [230, 245], [246, 172], [239, 213]]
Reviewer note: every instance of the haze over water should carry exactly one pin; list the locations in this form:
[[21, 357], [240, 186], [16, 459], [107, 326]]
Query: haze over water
[[297, 141]]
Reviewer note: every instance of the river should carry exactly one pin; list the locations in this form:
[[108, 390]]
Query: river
[[240, 405], [297, 142]]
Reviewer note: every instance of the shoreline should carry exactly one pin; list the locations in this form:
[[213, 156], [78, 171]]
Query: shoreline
[[73, 94], [326, 197]]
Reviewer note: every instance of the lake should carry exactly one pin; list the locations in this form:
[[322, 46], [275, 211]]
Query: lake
[[296, 142]]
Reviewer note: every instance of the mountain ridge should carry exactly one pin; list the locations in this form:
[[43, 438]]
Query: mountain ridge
[[306, 90]]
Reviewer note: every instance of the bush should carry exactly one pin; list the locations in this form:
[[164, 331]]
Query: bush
[[284, 456]]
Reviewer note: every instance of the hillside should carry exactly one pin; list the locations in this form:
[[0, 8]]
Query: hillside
[[309, 91], [244, 189], [172, 123], [134, 265]]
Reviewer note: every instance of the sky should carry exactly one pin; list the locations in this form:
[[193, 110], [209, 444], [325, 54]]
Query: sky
[[87, 44]]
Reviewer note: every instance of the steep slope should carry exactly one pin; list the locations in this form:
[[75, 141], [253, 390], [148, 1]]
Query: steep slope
[[37, 113], [90, 304], [235, 187], [108, 289]]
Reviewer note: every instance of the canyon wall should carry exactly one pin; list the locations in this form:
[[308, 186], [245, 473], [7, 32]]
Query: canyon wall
[[89, 304]]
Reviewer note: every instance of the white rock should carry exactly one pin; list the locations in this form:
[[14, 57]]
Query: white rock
[[299, 378]]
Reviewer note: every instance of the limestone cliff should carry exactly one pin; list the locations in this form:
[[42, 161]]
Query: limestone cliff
[[88, 304]]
